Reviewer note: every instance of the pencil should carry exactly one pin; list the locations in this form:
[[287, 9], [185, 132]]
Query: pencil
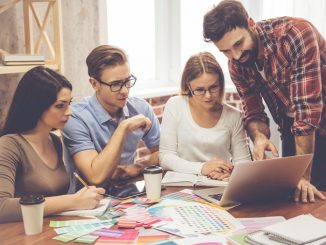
[[81, 180], [86, 185]]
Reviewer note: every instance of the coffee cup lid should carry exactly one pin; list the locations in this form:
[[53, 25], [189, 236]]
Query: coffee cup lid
[[31, 199], [153, 170]]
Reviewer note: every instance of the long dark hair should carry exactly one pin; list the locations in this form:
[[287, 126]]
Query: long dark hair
[[35, 93]]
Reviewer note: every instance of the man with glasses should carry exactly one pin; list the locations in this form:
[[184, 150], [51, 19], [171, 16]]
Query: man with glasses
[[283, 61], [104, 130]]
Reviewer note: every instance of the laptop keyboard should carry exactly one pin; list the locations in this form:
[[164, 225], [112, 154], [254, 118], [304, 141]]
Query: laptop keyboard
[[217, 196]]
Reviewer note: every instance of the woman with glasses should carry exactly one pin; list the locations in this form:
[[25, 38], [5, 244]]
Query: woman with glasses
[[199, 133], [104, 131], [30, 155]]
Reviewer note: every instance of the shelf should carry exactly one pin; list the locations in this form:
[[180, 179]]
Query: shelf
[[22, 69], [39, 21]]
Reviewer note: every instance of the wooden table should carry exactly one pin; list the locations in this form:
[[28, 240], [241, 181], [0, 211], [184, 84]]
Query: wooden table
[[13, 233]]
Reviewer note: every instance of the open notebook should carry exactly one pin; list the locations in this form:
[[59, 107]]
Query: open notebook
[[181, 179], [98, 211]]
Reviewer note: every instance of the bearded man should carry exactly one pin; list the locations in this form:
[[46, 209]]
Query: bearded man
[[283, 62]]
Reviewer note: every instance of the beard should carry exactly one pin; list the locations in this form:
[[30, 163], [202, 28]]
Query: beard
[[252, 53]]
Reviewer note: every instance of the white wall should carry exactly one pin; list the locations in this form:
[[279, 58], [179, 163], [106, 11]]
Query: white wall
[[84, 27]]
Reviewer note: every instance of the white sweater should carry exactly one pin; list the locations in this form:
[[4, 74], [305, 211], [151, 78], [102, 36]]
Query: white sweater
[[185, 146]]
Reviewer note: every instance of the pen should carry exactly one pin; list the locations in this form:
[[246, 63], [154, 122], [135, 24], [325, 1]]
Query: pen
[[81, 180], [85, 184]]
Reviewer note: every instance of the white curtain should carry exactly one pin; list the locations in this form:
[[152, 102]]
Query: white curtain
[[312, 10]]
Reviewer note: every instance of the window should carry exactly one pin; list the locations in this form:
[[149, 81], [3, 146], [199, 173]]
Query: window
[[131, 26], [171, 31], [192, 41], [160, 35]]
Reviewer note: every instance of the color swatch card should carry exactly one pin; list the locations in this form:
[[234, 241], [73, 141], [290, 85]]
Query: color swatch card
[[204, 219], [57, 224], [110, 236], [151, 239], [84, 227], [67, 237], [88, 239], [175, 229], [159, 210], [139, 215], [184, 195], [111, 214], [188, 196]]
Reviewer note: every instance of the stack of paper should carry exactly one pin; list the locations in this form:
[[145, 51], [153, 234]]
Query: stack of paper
[[303, 229], [78, 230], [112, 236], [251, 225]]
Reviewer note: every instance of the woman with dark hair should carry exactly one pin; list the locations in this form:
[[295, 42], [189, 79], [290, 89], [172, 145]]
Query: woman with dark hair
[[199, 133], [30, 155]]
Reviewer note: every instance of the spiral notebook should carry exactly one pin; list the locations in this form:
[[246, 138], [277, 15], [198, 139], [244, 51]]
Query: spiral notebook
[[302, 229]]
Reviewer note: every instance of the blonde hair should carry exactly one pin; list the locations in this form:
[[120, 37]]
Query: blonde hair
[[196, 66]]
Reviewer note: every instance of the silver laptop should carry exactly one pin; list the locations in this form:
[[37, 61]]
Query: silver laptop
[[259, 180]]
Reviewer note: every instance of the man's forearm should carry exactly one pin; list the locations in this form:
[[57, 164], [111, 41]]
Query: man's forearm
[[152, 159], [258, 129], [107, 160], [305, 145]]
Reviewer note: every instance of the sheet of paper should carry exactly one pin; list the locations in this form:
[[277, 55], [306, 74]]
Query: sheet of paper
[[256, 223], [104, 204]]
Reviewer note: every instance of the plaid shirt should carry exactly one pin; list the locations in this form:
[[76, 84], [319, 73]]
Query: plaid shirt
[[295, 68]]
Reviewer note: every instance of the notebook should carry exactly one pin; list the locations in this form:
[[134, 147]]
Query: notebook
[[302, 229], [98, 211], [259, 180], [181, 179]]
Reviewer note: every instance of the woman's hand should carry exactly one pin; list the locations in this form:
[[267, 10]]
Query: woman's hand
[[217, 169], [219, 175], [88, 198]]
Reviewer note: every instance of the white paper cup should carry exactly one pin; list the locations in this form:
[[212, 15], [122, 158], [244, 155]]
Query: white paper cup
[[32, 209], [153, 178]]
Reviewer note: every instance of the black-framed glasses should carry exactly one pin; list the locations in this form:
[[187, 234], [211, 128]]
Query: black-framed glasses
[[202, 91], [116, 86]]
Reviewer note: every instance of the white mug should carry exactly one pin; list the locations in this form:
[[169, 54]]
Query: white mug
[[32, 207], [153, 178]]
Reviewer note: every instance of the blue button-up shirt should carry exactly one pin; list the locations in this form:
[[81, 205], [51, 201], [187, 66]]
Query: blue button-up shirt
[[91, 127]]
